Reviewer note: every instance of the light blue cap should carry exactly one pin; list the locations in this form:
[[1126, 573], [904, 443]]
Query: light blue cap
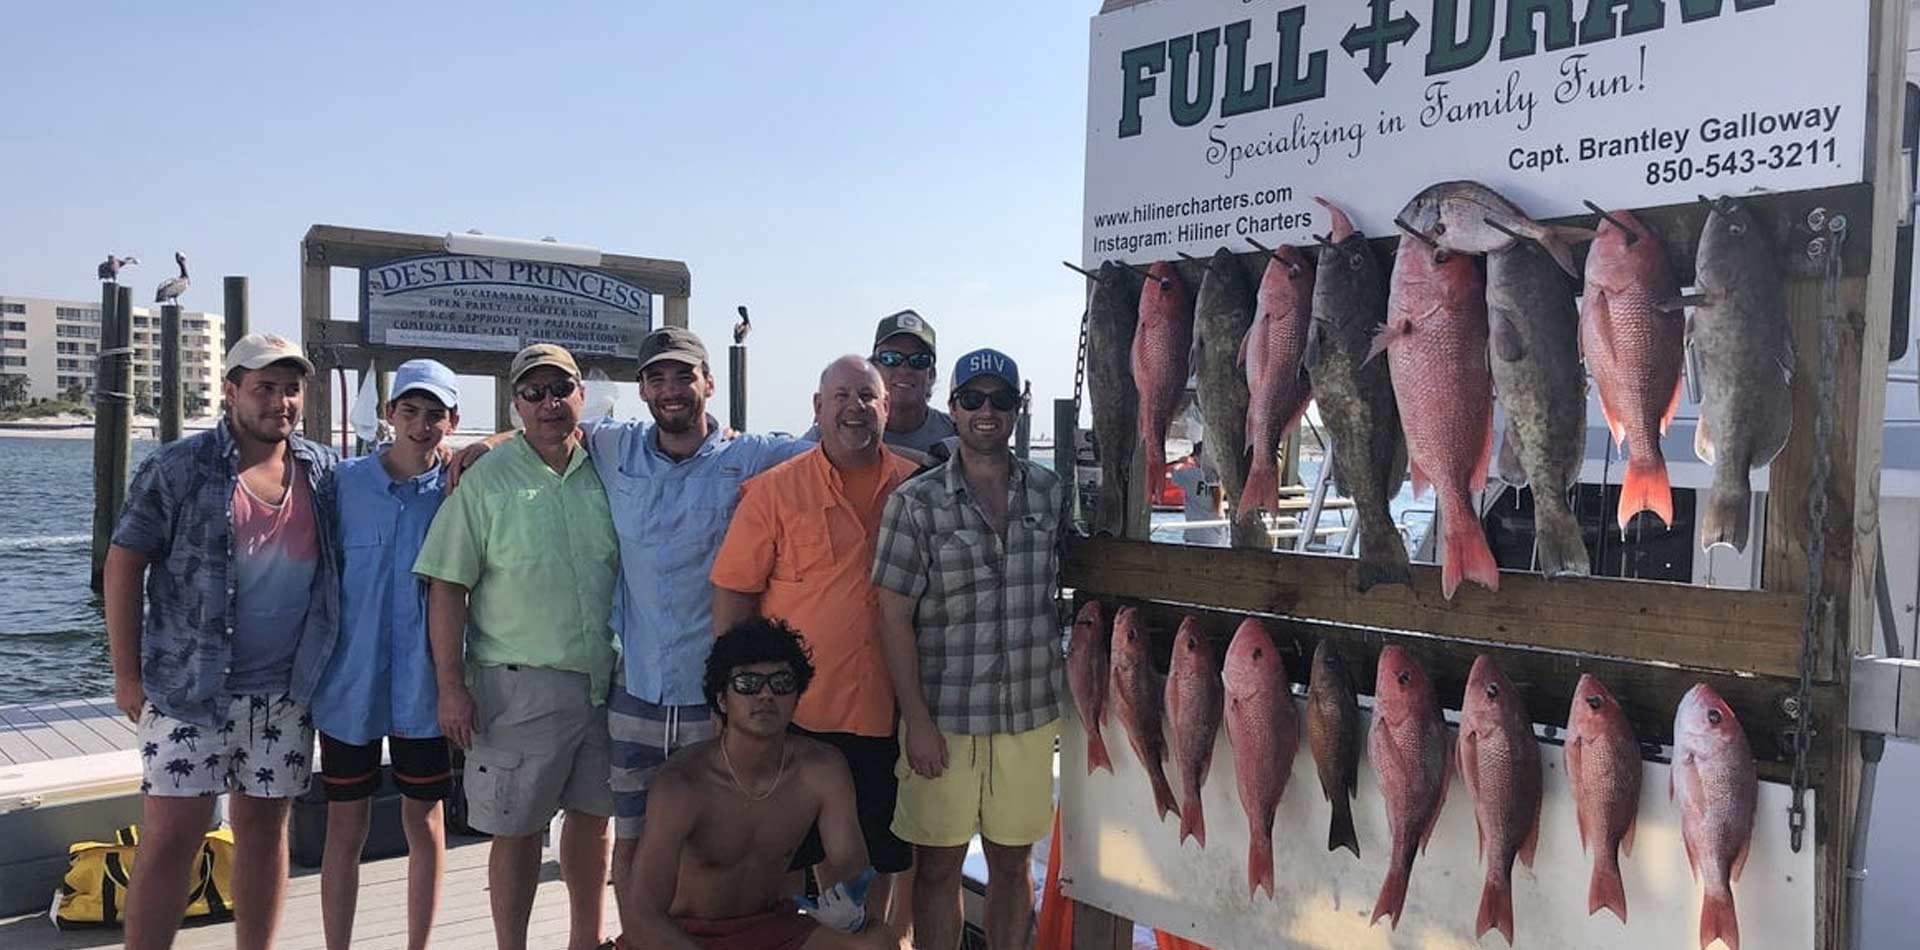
[[428, 376]]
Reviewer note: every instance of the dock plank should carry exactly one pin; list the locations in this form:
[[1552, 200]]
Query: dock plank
[[112, 727], [463, 922], [50, 744], [71, 727]]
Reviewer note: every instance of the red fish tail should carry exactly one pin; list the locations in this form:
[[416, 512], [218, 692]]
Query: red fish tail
[[1162, 792], [1260, 863], [1156, 467], [1607, 889], [1467, 556], [1097, 756], [1262, 489], [1645, 487], [1496, 909], [1718, 920], [1340, 833], [1393, 894], [1193, 820]]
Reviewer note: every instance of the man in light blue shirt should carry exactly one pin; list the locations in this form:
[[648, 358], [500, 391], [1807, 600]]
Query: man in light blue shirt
[[672, 484], [379, 682]]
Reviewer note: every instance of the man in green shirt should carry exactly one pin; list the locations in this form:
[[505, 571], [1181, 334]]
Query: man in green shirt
[[522, 562]]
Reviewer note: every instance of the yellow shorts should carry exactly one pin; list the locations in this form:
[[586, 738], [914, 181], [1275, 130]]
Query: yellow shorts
[[1000, 786]]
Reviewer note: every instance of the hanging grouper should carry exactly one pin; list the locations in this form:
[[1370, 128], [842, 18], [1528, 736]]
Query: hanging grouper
[[1356, 395], [1221, 315], [1740, 332], [1112, 312], [1534, 349], [1162, 346], [1274, 353]]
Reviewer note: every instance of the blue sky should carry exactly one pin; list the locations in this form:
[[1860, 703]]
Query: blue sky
[[823, 163]]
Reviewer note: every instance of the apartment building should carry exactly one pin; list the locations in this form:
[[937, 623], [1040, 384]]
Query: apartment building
[[55, 344]]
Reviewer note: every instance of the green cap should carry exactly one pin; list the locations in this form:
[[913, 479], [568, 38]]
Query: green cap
[[908, 322], [672, 343]]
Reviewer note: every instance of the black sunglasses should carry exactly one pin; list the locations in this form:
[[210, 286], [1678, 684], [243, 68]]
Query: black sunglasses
[[972, 399], [894, 358], [534, 392], [783, 683]]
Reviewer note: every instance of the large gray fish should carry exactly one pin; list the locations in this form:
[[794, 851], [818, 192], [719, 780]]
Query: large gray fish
[[1456, 215], [1112, 314], [1740, 332], [1356, 396], [1534, 345], [1221, 315]]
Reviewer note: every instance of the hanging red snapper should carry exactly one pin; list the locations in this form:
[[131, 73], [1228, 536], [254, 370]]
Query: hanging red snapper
[[1716, 785], [1274, 353], [1162, 347], [1633, 345], [1500, 760], [1137, 698], [1087, 679], [1194, 701], [1264, 730], [1408, 747], [1603, 768]]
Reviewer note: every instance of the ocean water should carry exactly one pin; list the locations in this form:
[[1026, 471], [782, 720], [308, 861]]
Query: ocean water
[[53, 640]]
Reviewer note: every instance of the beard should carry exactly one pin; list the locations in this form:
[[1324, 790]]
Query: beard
[[263, 428], [678, 422]]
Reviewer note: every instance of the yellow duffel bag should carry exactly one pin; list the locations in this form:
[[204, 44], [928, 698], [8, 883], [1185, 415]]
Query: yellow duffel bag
[[94, 893]]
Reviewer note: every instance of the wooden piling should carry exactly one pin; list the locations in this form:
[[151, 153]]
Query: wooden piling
[[112, 419], [502, 404], [171, 414], [737, 387], [235, 319]]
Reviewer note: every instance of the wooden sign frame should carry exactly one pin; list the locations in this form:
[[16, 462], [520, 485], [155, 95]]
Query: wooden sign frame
[[1649, 640], [332, 344]]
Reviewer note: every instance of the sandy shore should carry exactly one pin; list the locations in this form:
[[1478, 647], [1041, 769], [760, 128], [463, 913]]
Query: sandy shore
[[145, 428]]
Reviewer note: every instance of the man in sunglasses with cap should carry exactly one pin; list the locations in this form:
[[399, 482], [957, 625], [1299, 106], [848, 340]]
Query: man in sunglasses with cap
[[967, 563], [522, 561], [726, 814], [903, 352]]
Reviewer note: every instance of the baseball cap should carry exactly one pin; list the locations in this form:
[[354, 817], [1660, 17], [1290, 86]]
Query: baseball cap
[[908, 322], [428, 376], [987, 362], [256, 350], [672, 343], [542, 354]]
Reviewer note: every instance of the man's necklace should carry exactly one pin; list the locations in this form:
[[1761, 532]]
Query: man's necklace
[[777, 776]]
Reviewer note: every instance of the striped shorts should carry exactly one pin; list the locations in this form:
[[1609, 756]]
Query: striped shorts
[[644, 735]]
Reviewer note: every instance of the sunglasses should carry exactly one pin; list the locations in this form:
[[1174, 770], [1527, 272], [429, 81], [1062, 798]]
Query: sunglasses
[[972, 399], [534, 392], [783, 683], [892, 359]]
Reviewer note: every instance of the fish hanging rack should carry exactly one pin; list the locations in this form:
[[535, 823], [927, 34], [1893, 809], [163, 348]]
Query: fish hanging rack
[[1649, 640]]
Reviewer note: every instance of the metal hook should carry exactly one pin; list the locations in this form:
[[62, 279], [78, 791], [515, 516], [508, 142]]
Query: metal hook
[[1503, 229], [1143, 272], [1084, 273], [1261, 247], [1185, 256], [1633, 237], [1416, 233]]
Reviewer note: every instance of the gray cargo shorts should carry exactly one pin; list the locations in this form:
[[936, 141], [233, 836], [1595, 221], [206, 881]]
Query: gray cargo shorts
[[540, 746]]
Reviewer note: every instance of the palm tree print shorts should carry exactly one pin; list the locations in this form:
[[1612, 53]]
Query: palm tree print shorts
[[263, 747]]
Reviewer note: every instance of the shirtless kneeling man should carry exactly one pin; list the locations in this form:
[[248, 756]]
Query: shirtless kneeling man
[[725, 817]]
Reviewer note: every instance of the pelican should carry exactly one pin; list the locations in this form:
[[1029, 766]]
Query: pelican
[[171, 288], [741, 328], [109, 269]]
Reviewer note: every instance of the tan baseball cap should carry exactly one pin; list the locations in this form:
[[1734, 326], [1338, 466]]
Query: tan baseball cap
[[542, 354], [257, 350]]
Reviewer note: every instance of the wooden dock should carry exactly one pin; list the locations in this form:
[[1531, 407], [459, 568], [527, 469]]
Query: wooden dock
[[63, 730], [463, 922]]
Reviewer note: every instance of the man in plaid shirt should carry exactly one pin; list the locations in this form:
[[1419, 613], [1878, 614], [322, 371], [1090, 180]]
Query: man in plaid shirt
[[967, 566]]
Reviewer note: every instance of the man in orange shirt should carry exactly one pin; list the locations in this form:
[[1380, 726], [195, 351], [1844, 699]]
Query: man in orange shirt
[[799, 550]]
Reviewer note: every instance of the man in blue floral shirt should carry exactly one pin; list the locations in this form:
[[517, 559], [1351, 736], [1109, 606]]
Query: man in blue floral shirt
[[229, 536]]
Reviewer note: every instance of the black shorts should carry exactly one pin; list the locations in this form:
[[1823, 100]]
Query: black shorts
[[422, 768], [871, 759]]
